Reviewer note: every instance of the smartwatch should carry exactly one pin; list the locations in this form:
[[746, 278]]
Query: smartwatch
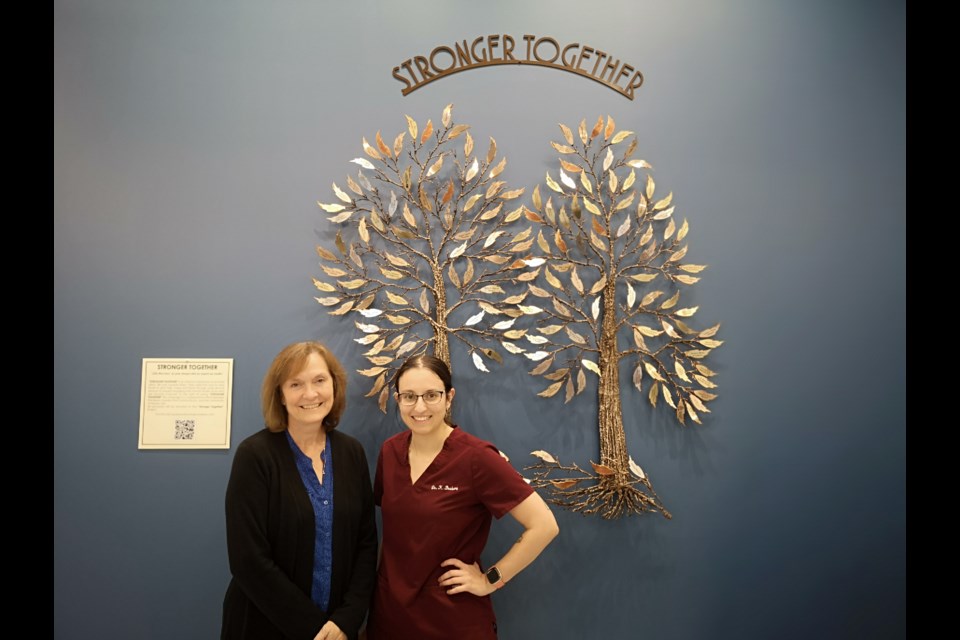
[[494, 577]]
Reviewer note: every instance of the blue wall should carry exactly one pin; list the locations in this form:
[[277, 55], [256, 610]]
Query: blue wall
[[192, 141]]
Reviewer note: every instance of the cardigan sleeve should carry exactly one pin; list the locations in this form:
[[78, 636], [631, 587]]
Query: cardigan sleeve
[[254, 480]]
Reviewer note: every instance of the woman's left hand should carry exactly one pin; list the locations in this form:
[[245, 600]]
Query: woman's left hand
[[464, 578]]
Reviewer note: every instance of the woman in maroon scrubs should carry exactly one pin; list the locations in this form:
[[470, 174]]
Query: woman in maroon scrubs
[[438, 489]]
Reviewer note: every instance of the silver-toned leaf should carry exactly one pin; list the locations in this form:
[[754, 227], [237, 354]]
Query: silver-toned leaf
[[474, 319], [363, 162]]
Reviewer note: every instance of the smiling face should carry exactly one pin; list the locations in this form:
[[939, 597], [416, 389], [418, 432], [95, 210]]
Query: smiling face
[[421, 418], [308, 394]]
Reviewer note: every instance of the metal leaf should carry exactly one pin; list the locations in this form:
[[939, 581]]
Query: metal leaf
[[637, 377], [562, 148], [323, 286], [491, 151], [382, 400], [468, 146], [581, 381], [543, 455], [457, 130], [551, 391], [591, 365], [448, 194], [669, 329], [670, 302], [650, 187], [635, 469], [447, 113], [474, 319], [384, 149], [576, 282], [621, 136], [653, 373], [597, 128], [569, 391], [478, 362], [363, 162], [512, 348], [647, 331], [377, 385], [398, 144], [370, 151], [552, 184], [454, 278], [653, 393], [669, 230], [680, 371], [638, 338], [582, 130], [668, 397], [573, 335], [602, 469], [537, 355], [608, 159], [564, 484], [686, 313], [435, 167], [353, 186], [595, 307], [683, 231], [631, 295], [343, 309], [592, 208], [427, 130], [650, 297], [586, 182], [663, 215], [473, 170], [687, 279], [412, 127], [408, 216]]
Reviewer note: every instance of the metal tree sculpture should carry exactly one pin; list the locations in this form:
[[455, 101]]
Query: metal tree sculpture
[[615, 272], [423, 235]]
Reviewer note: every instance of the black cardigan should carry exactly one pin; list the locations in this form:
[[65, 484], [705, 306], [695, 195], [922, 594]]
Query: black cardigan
[[270, 542]]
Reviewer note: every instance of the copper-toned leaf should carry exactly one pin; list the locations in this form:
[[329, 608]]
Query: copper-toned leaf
[[598, 228], [382, 400], [610, 128], [551, 391], [569, 391], [448, 194], [454, 278], [602, 469], [564, 484], [377, 385], [559, 241], [370, 151], [398, 144], [427, 130], [597, 128], [572, 168], [384, 149]]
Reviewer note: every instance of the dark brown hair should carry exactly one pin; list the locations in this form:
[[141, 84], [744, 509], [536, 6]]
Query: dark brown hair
[[423, 361], [288, 362]]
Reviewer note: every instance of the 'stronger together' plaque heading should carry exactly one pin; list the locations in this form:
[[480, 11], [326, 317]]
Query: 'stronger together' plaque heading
[[497, 49]]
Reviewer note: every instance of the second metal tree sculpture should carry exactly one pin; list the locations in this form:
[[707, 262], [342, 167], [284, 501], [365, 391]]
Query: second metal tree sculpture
[[614, 270]]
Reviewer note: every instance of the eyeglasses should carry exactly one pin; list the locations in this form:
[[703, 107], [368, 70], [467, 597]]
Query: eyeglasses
[[408, 398]]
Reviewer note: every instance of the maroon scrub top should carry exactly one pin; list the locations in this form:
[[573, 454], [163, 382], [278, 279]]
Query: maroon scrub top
[[445, 514]]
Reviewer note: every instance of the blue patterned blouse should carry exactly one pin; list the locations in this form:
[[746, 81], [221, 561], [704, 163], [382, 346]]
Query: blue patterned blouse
[[321, 497]]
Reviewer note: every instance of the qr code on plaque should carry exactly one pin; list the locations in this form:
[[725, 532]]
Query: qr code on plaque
[[185, 430]]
